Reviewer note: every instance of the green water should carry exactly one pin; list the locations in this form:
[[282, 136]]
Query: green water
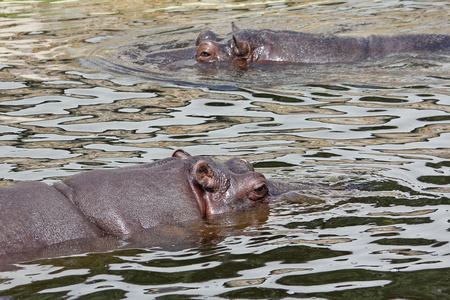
[[381, 127]]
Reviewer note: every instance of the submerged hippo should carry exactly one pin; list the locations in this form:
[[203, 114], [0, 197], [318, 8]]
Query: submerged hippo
[[128, 200], [264, 46]]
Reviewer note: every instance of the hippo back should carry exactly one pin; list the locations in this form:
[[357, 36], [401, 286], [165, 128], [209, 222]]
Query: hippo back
[[35, 215], [128, 200]]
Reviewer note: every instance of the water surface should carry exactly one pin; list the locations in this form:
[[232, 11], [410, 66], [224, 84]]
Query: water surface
[[69, 104]]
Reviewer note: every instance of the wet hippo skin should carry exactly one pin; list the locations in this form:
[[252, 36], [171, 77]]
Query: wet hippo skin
[[246, 47], [125, 201], [34, 215], [268, 46]]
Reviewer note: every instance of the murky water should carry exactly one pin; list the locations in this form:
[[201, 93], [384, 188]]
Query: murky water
[[381, 125]]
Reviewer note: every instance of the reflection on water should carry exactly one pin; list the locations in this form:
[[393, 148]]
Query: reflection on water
[[381, 126]]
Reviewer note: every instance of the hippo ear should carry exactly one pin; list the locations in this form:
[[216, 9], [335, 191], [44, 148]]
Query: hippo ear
[[204, 175], [181, 154], [234, 28], [241, 48]]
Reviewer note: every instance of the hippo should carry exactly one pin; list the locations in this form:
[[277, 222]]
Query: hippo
[[127, 200], [250, 47]]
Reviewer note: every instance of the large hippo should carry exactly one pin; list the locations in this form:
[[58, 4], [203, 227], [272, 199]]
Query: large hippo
[[125, 201], [246, 47]]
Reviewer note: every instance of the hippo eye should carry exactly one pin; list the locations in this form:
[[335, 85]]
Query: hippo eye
[[259, 192], [205, 54], [261, 189]]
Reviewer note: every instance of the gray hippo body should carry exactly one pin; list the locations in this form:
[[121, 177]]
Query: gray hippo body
[[35, 215], [247, 47], [177, 189], [288, 47], [124, 201]]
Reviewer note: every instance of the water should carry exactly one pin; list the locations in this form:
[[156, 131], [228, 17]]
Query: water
[[381, 126]]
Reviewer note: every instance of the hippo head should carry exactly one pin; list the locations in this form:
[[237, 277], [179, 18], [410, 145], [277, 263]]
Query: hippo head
[[237, 50], [221, 188]]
